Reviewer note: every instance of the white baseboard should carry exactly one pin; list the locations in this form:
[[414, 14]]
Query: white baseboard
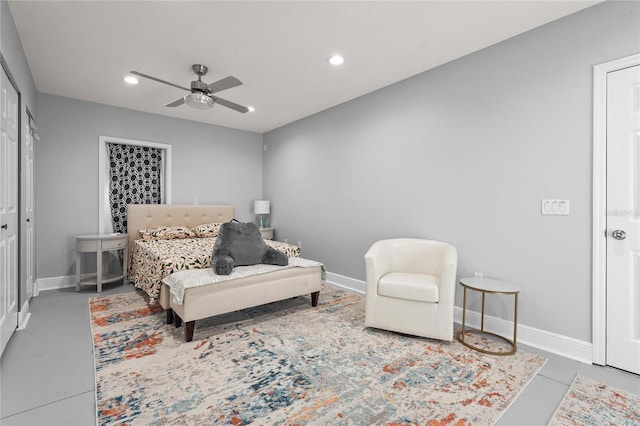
[[548, 341], [346, 283], [54, 283], [24, 316]]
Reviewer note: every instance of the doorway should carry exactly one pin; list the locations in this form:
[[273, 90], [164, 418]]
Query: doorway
[[616, 215], [105, 224]]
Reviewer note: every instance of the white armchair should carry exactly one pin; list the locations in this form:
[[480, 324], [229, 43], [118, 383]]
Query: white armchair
[[411, 287]]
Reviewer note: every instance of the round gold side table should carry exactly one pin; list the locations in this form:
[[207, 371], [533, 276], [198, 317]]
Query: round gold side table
[[489, 286]]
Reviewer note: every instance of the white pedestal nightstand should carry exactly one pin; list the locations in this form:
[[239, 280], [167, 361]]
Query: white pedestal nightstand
[[100, 244], [267, 233]]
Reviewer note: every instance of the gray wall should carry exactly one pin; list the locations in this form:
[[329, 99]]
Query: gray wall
[[216, 165], [464, 153], [11, 49]]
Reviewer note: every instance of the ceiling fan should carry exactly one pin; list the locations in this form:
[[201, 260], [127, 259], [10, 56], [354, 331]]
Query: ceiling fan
[[200, 94]]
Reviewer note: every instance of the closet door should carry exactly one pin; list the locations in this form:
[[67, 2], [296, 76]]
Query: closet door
[[27, 217], [623, 219], [8, 209]]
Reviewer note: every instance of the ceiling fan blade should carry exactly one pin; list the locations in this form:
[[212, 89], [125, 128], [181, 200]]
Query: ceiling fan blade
[[230, 104], [176, 103], [159, 81], [224, 84]]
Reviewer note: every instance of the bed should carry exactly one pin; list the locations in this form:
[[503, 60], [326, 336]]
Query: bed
[[177, 273]]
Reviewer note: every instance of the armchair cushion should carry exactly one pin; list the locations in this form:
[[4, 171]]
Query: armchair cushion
[[409, 286]]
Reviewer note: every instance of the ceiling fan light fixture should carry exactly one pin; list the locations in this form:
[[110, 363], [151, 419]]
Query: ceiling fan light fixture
[[198, 101]]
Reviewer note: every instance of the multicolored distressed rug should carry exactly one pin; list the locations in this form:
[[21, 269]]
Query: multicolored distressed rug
[[290, 363], [589, 402]]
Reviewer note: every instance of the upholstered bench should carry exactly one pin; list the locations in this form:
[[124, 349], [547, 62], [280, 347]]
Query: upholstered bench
[[192, 295]]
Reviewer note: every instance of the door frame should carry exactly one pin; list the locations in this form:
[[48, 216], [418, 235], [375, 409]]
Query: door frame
[[599, 212]]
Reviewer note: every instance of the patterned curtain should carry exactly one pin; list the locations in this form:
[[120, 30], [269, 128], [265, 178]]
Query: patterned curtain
[[135, 174]]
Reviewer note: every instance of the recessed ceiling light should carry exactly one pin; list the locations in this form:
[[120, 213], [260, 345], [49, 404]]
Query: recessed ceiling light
[[130, 80], [336, 60], [251, 109]]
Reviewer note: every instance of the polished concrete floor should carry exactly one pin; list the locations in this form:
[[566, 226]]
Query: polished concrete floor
[[47, 379]]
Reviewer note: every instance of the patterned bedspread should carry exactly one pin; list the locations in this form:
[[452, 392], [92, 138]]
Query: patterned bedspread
[[152, 261]]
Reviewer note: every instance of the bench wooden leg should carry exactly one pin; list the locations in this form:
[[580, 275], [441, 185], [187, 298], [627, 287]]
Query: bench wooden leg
[[314, 298], [189, 326], [170, 316]]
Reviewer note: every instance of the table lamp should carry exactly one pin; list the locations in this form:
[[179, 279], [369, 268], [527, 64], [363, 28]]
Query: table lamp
[[261, 207]]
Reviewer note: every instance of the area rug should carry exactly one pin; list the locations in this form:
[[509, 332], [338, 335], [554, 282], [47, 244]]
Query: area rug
[[589, 402], [289, 363]]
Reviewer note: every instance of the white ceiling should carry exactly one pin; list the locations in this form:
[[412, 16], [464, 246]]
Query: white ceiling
[[83, 49]]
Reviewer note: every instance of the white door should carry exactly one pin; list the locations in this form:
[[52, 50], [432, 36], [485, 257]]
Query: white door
[[623, 219], [8, 210], [27, 236]]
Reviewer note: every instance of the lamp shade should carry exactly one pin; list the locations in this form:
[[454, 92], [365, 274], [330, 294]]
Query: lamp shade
[[261, 207]]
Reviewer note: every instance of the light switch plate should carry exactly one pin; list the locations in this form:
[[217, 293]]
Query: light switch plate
[[555, 207]]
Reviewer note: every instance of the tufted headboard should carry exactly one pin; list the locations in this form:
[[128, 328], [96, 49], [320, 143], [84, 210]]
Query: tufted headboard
[[143, 216]]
